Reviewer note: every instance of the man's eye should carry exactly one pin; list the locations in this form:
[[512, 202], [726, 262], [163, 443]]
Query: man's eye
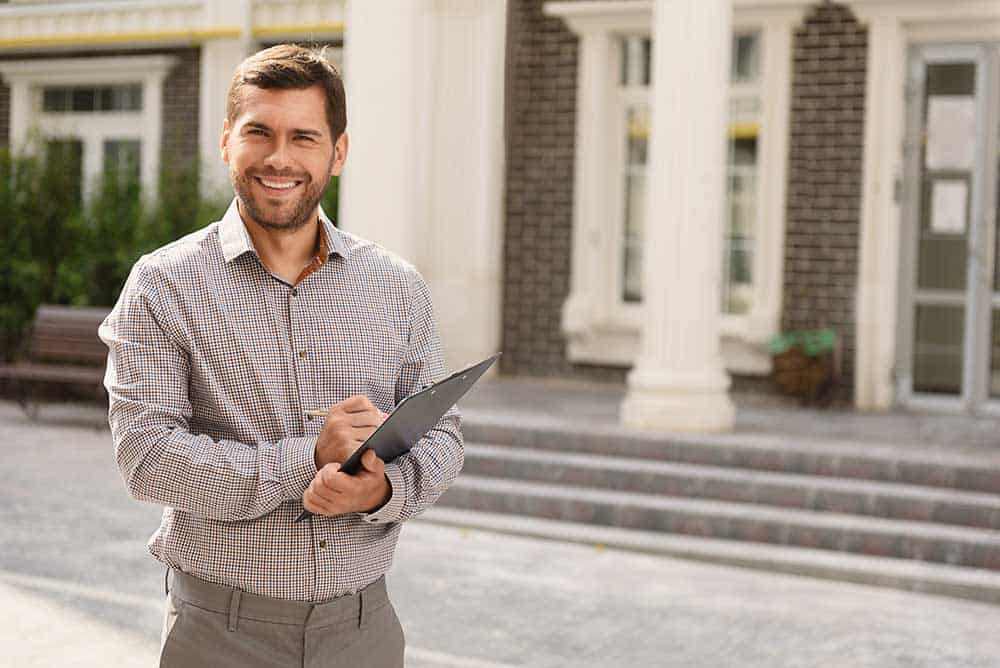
[[255, 131], [306, 137]]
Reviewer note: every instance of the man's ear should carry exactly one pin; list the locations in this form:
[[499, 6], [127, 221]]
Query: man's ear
[[224, 140], [339, 154]]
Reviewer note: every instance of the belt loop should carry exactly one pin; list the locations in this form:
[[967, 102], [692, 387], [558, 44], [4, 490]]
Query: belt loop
[[361, 609], [166, 581], [234, 609]]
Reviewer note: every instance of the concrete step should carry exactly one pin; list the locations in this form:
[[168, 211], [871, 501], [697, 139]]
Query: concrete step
[[919, 576], [820, 493], [754, 451], [964, 546]]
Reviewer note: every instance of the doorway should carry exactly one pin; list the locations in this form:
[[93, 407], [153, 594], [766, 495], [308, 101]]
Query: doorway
[[949, 347]]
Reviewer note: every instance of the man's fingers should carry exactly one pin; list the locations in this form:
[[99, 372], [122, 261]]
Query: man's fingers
[[354, 404], [314, 503], [372, 463], [319, 489], [368, 418], [327, 474]]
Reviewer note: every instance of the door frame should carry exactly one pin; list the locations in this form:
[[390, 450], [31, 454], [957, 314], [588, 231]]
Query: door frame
[[979, 300]]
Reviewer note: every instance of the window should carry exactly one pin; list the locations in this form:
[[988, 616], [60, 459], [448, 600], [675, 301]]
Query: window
[[742, 181], [64, 165], [110, 106], [603, 315], [122, 160], [92, 98], [633, 94], [741, 210]]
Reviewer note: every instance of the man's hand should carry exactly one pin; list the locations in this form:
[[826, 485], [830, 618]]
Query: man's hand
[[335, 493], [347, 425]]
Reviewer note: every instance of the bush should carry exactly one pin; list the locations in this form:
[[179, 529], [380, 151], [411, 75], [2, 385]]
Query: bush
[[58, 249]]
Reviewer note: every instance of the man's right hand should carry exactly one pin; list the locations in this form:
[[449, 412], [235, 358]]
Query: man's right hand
[[347, 425]]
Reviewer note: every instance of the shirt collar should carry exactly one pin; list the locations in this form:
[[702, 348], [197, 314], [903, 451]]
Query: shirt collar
[[235, 239]]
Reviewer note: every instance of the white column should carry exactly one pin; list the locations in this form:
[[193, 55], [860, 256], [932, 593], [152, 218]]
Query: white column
[[878, 271], [678, 381], [219, 60], [462, 262], [383, 188], [592, 203], [424, 172]]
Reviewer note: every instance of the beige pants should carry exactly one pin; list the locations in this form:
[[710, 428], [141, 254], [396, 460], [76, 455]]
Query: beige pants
[[218, 627]]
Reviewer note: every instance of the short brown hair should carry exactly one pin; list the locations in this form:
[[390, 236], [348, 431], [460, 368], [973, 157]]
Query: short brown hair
[[291, 66]]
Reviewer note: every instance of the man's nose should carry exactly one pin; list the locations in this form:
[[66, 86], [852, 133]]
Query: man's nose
[[279, 155]]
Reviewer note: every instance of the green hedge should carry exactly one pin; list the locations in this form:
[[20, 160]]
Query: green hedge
[[58, 249]]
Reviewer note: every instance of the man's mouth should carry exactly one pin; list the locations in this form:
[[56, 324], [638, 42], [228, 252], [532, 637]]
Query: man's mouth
[[277, 185]]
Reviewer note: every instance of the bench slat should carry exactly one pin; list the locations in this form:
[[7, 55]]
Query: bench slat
[[52, 372]]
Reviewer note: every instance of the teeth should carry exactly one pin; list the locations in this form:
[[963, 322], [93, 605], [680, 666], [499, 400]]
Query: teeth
[[278, 184]]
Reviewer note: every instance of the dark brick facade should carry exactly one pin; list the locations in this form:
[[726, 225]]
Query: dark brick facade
[[180, 98], [181, 108], [826, 148], [540, 131]]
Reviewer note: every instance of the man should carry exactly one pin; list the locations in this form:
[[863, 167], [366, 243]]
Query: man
[[219, 345]]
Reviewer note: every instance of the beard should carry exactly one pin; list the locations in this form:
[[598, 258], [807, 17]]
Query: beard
[[270, 214]]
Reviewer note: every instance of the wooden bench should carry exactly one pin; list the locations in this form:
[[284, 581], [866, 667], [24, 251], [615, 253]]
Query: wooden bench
[[62, 348]]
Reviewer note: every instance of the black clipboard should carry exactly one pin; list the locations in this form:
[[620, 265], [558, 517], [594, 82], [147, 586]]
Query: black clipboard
[[414, 417]]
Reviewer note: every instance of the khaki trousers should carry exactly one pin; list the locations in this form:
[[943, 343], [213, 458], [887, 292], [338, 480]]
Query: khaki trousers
[[220, 627]]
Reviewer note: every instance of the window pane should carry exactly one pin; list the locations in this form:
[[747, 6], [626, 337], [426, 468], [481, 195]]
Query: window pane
[[123, 97], [937, 349], [56, 99], [122, 159], [636, 53], [746, 58], [84, 99], [64, 169], [995, 356], [741, 222], [635, 201], [127, 98]]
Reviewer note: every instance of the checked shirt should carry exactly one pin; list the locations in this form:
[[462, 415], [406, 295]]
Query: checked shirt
[[212, 362]]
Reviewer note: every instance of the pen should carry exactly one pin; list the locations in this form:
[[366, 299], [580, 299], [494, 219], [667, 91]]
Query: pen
[[322, 412]]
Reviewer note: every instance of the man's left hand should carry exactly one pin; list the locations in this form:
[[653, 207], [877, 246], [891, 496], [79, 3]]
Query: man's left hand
[[333, 492]]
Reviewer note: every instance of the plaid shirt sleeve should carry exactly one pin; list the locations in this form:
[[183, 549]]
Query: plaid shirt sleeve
[[160, 460], [422, 475]]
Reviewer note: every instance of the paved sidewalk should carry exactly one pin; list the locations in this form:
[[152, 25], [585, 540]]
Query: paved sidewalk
[[78, 588]]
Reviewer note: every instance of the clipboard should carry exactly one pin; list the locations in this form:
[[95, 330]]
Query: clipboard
[[414, 417]]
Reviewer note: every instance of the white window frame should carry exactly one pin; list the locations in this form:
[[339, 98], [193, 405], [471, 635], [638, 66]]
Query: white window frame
[[600, 327], [28, 78]]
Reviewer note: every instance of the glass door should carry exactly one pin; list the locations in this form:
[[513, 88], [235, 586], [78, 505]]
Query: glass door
[[948, 280]]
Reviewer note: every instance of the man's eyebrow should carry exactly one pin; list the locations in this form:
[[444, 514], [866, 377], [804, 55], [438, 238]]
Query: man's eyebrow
[[298, 131]]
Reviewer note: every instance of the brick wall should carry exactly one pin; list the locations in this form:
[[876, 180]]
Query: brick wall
[[180, 97], [540, 130], [824, 189]]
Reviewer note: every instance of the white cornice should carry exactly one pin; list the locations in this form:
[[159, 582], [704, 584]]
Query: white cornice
[[62, 9], [626, 15], [72, 70]]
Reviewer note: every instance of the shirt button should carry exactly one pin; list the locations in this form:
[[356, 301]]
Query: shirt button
[[309, 418], [295, 292], [322, 544], [303, 353]]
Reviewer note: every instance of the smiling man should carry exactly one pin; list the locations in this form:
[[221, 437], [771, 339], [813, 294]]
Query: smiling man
[[220, 344]]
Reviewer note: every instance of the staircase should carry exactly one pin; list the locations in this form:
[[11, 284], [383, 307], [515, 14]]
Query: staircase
[[859, 512]]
